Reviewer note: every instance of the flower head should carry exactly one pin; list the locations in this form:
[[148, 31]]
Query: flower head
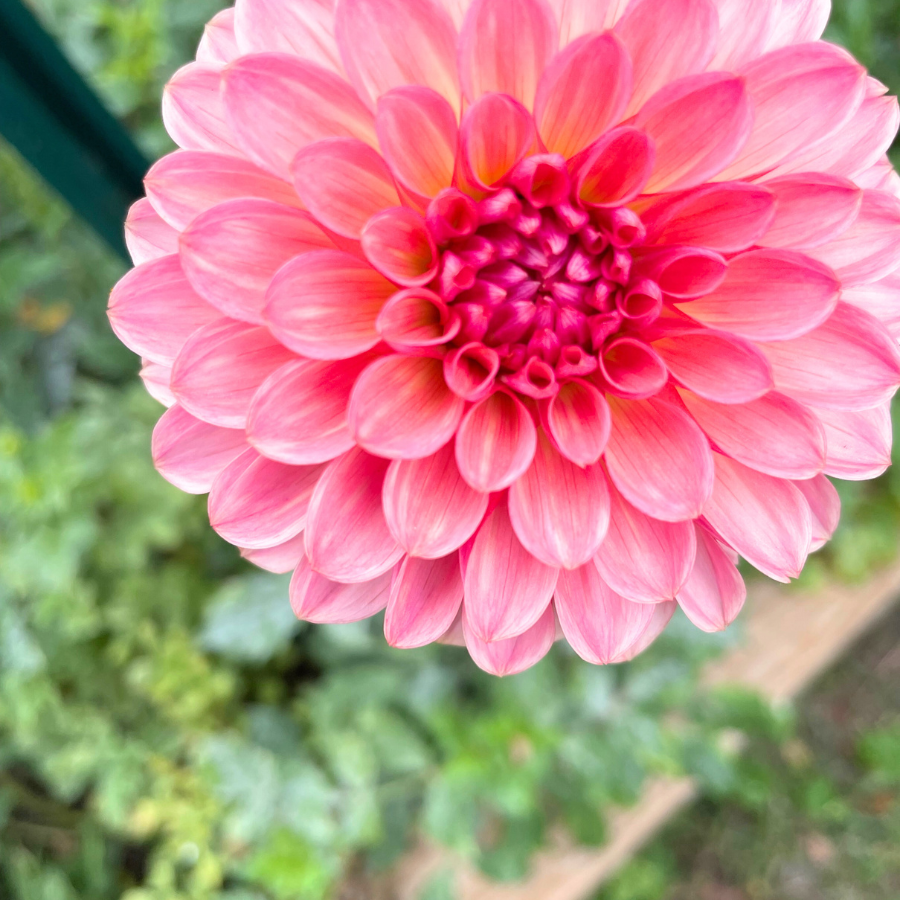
[[520, 316]]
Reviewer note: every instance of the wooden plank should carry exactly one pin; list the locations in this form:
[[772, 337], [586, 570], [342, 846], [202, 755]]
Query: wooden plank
[[790, 639]]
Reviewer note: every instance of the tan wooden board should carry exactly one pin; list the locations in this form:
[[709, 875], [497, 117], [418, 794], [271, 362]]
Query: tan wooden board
[[790, 639]]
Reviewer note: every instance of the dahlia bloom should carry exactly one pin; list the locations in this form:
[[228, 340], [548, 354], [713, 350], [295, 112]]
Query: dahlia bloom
[[520, 318]]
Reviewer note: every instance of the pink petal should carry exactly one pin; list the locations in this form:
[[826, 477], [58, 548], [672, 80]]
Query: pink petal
[[343, 182], [299, 414], [399, 245], [631, 368], [881, 299], [598, 623], [659, 459], [850, 362], [715, 593], [643, 559], [666, 40], [616, 168], [569, 110], [699, 125], [278, 104], [325, 304], [773, 434], [723, 217], [379, 56], [662, 615], [825, 506], [870, 248], [504, 46], [429, 509], [497, 133], [811, 209], [858, 442], [401, 408], [347, 537], [258, 503], [220, 368], [189, 453], [314, 598], [416, 318], [218, 44], [507, 589], [800, 21], [514, 655], [188, 182], [580, 17], [766, 519], [156, 380], [560, 512], [153, 310], [495, 443], [231, 252], [579, 422], [426, 596], [745, 30], [800, 95], [301, 27], [716, 365], [148, 236], [682, 272], [746, 304], [280, 559], [193, 111], [417, 133]]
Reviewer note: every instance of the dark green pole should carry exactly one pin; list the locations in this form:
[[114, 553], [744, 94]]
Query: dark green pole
[[51, 116]]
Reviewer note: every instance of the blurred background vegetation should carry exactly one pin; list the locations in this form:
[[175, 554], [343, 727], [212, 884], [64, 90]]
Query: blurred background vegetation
[[168, 730]]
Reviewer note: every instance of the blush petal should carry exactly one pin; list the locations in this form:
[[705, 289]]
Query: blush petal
[[425, 599], [514, 655], [315, 598], [825, 506], [193, 111], [147, 235], [858, 442]]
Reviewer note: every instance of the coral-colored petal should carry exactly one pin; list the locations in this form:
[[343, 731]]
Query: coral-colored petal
[[682, 272], [560, 512], [416, 318], [325, 304], [644, 559], [401, 408], [724, 217], [378, 55], [156, 378], [569, 110], [850, 362], [257, 503], [343, 182], [220, 368], [746, 305], [766, 519], [277, 104], [716, 365], [315, 598], [774, 434], [800, 21], [715, 593], [218, 44], [430, 510], [495, 443], [399, 245], [280, 559], [800, 95], [745, 30], [301, 27], [858, 442], [504, 46], [188, 182], [153, 310], [598, 623], [615, 168], [579, 422], [193, 111], [514, 655], [699, 125], [147, 235], [666, 40], [659, 459], [631, 368], [299, 414], [347, 537], [825, 506], [507, 589], [662, 615], [231, 252], [426, 596], [189, 453], [418, 134]]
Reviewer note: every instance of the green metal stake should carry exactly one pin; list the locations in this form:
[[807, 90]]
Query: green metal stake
[[51, 116]]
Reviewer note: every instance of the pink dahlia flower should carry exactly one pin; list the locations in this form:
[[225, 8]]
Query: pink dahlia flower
[[520, 318]]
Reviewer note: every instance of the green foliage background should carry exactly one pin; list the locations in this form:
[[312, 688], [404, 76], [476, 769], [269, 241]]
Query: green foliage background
[[168, 730]]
